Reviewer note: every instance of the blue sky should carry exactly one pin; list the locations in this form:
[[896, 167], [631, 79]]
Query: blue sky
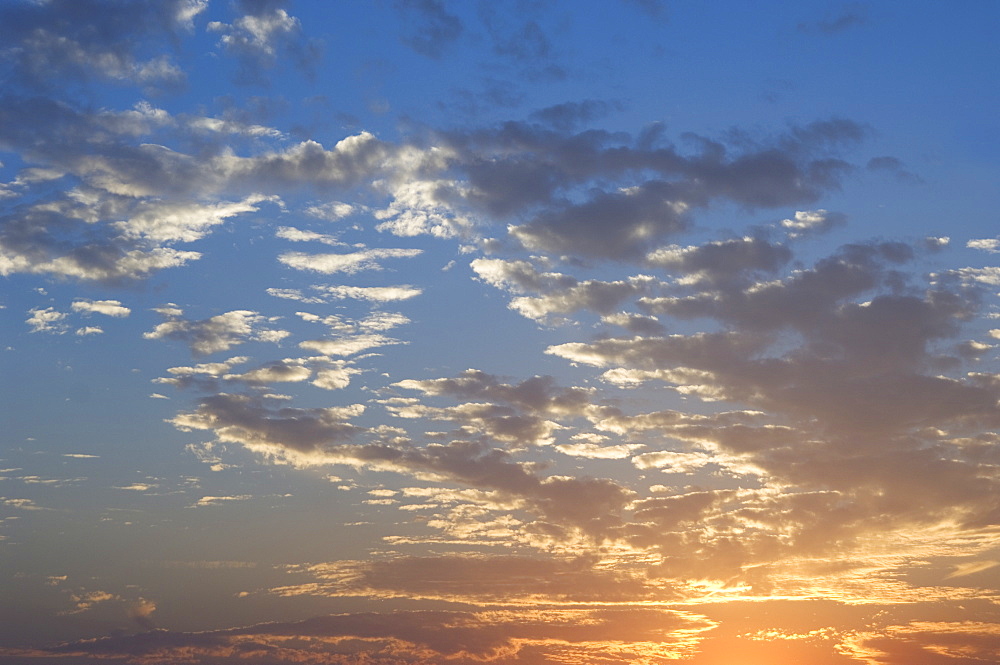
[[517, 332]]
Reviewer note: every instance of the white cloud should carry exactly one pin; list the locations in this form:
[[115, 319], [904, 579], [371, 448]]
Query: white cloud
[[331, 211], [371, 293], [350, 263], [184, 221], [107, 307], [46, 320], [298, 235], [991, 245], [346, 346]]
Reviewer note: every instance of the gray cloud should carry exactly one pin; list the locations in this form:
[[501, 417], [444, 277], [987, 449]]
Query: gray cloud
[[216, 333], [249, 421], [850, 15], [722, 264], [478, 578], [430, 27], [78, 39], [526, 172], [612, 636], [568, 116], [560, 294]]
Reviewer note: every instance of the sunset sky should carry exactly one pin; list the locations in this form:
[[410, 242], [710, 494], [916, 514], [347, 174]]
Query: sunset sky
[[402, 332]]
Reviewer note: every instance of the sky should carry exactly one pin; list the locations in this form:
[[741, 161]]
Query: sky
[[499, 333]]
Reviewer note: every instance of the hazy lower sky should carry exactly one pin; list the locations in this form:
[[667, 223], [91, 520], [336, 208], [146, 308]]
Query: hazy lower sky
[[499, 333]]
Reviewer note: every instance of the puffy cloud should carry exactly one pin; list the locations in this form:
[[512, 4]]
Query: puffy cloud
[[334, 375], [163, 221], [991, 245], [257, 37], [561, 294], [216, 333], [107, 307], [36, 240], [722, 264], [539, 394], [324, 372], [526, 170], [347, 345], [283, 432], [257, 33], [812, 221], [67, 39], [277, 371], [497, 422], [418, 208], [46, 320], [332, 211]]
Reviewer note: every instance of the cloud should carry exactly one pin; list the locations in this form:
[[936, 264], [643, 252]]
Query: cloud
[[276, 371], [331, 211], [257, 38], [46, 320], [371, 293], [141, 611], [505, 579], [850, 15], [173, 221], [893, 166], [348, 345], [722, 263], [568, 115], [112, 308], [991, 245], [328, 293], [561, 294], [611, 636], [217, 500], [324, 372], [812, 221], [298, 235], [35, 240], [68, 39], [536, 173], [590, 450], [497, 422], [430, 28], [539, 394], [971, 568], [350, 263], [931, 642], [217, 333], [655, 9], [275, 432]]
